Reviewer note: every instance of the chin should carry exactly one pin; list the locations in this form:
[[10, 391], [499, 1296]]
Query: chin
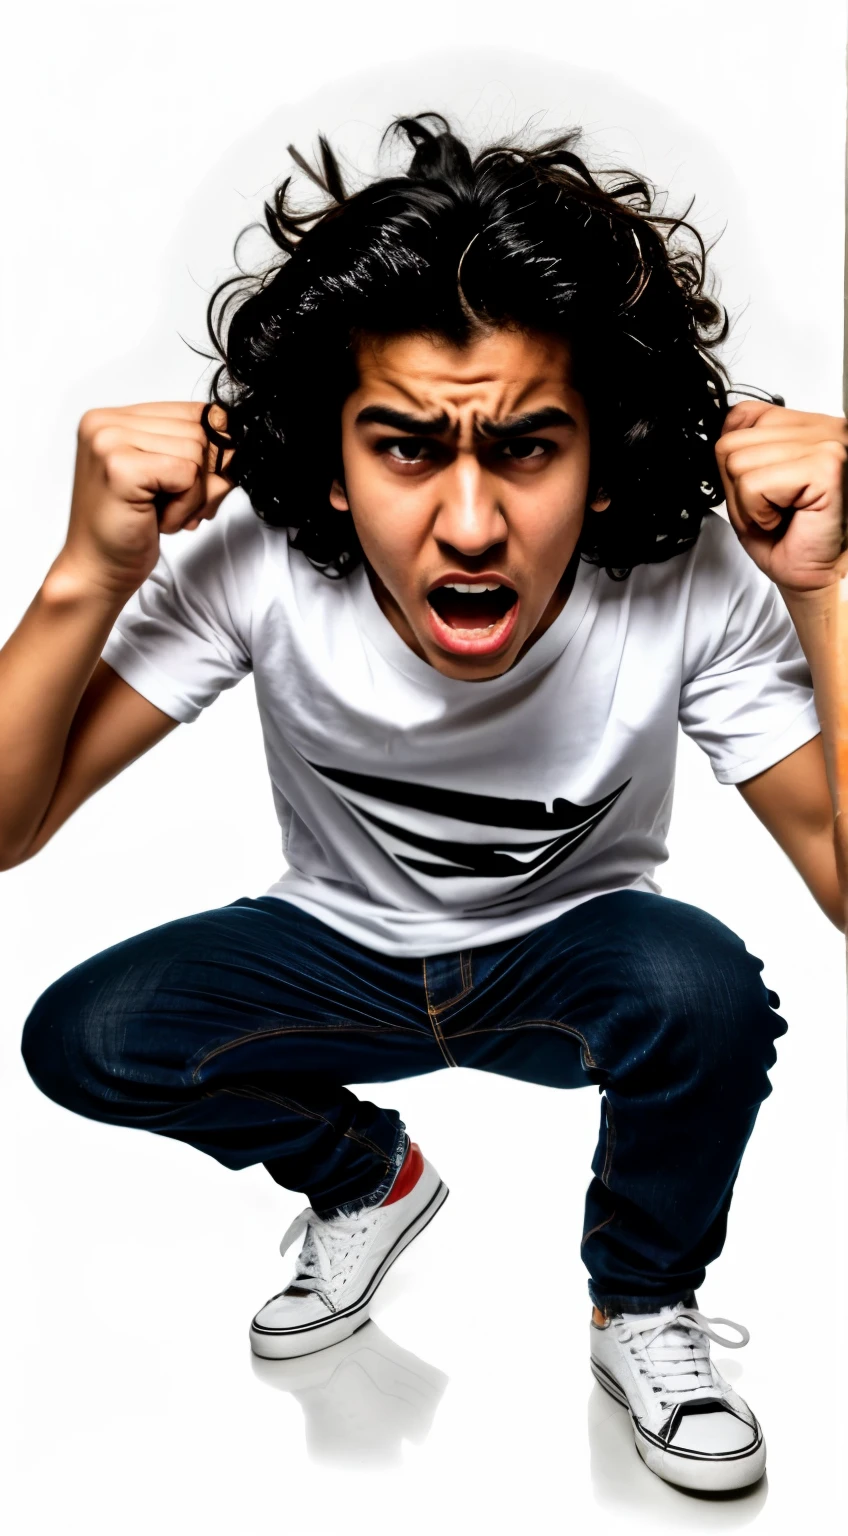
[[471, 667]]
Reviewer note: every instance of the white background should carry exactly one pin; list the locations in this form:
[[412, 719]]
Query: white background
[[138, 139]]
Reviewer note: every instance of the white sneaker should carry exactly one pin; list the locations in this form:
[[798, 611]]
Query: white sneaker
[[341, 1263], [690, 1427]]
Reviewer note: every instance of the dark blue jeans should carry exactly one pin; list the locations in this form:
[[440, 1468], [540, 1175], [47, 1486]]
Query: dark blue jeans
[[235, 1030]]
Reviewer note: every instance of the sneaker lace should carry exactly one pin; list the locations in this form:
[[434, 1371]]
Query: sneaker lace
[[329, 1251], [672, 1351]]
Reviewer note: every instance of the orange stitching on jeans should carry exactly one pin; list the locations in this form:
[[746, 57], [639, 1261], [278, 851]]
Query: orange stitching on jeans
[[290, 1029], [364, 1141], [593, 1230], [457, 998], [310, 1114], [277, 1098], [467, 983], [440, 1007], [503, 1029], [434, 1023]]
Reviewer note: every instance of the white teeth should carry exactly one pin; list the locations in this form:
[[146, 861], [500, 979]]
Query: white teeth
[[469, 586]]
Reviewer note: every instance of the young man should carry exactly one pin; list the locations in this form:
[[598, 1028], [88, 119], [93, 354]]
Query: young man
[[472, 562]]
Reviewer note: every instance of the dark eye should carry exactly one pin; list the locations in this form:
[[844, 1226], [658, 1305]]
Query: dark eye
[[407, 450], [524, 448]]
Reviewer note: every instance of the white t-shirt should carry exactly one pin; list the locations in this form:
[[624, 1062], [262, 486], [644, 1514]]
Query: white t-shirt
[[423, 814]]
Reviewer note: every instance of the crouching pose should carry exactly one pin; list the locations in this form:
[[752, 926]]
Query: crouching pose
[[455, 504]]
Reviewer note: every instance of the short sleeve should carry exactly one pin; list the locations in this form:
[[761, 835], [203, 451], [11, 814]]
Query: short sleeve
[[185, 634], [747, 694]]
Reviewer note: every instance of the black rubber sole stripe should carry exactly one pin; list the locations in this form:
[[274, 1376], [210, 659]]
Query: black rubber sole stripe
[[394, 1252], [671, 1450], [607, 1380], [600, 1373]]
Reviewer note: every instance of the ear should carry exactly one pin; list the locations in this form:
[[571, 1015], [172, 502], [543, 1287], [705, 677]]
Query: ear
[[600, 501], [338, 497]]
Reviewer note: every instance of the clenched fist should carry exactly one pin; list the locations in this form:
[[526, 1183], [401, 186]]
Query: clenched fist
[[783, 474], [141, 470]]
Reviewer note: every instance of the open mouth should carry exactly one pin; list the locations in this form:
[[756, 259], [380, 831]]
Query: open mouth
[[473, 617]]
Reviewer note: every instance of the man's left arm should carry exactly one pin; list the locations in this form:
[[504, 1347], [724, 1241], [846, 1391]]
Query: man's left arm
[[783, 476]]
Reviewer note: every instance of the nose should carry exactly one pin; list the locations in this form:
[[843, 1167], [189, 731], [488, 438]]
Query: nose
[[469, 517]]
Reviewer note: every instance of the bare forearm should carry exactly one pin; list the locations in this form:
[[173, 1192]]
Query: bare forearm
[[815, 616], [141, 471], [820, 621], [45, 666]]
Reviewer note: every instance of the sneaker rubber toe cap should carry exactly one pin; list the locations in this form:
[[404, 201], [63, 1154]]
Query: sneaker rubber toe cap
[[282, 1313]]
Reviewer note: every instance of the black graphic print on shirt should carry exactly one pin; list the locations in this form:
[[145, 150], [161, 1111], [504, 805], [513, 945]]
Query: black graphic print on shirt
[[562, 829]]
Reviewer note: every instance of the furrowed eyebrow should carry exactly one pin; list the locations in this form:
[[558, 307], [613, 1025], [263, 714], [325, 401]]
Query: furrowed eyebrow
[[513, 426], [532, 421], [384, 416]]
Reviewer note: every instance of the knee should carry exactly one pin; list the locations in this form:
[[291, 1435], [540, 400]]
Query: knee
[[62, 1043], [713, 1017]]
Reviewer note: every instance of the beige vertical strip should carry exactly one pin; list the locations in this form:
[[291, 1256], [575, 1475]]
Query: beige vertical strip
[[840, 626], [840, 682]]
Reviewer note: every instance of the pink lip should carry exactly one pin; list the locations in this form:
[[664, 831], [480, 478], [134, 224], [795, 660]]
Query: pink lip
[[479, 645], [489, 576]]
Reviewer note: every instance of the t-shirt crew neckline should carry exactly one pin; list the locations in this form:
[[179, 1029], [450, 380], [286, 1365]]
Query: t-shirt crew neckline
[[385, 638]]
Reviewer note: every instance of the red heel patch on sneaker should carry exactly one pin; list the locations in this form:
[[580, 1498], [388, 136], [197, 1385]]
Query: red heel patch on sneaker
[[408, 1174]]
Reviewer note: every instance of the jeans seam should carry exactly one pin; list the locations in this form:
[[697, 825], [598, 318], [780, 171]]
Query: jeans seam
[[276, 1098], [271, 1034], [610, 1126], [365, 1141], [434, 1022], [310, 1114], [501, 1029], [467, 984], [598, 1228]]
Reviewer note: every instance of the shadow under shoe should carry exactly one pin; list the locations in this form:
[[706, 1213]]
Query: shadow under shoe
[[361, 1399]]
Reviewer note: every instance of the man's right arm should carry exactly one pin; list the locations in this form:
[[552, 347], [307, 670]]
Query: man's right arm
[[68, 722]]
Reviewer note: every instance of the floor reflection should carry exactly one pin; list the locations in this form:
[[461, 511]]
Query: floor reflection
[[621, 1481], [361, 1399]]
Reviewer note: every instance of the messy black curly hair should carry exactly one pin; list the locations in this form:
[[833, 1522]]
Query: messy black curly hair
[[543, 244]]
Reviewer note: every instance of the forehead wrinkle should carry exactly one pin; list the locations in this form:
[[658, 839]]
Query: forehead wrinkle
[[484, 395], [541, 381], [433, 402], [509, 394], [422, 407], [463, 400]]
